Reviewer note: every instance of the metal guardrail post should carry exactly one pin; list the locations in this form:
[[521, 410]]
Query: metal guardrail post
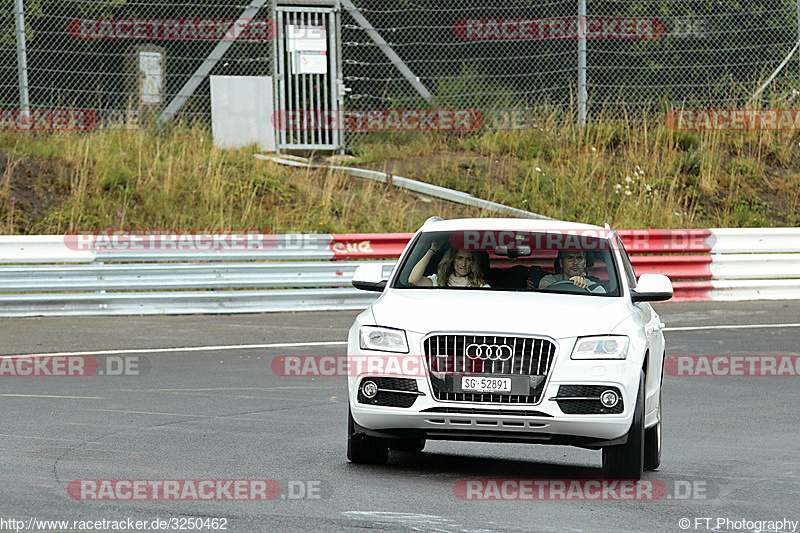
[[22, 58], [582, 96]]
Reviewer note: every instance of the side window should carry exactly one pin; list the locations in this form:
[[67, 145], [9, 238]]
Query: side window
[[626, 264]]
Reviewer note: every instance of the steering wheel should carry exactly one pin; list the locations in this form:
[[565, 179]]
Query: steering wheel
[[567, 285]]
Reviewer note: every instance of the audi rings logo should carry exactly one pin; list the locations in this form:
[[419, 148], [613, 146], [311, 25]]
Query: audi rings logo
[[489, 352]]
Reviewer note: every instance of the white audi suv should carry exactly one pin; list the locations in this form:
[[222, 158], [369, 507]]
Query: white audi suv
[[509, 330]]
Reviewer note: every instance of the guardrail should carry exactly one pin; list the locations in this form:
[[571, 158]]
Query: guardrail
[[295, 274], [421, 187], [46, 276]]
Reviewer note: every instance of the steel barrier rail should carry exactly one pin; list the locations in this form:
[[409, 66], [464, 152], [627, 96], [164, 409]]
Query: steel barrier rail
[[69, 248], [756, 266], [40, 249], [181, 302], [755, 289], [755, 240], [269, 247], [95, 277], [312, 272]]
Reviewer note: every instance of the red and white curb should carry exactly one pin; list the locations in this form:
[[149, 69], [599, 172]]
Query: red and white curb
[[704, 264]]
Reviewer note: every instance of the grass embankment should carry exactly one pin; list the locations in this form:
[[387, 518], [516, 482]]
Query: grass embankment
[[631, 177]]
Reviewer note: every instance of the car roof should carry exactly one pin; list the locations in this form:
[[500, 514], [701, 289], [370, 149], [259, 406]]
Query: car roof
[[506, 224]]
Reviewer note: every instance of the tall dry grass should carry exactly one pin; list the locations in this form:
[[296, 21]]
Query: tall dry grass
[[630, 172], [178, 179]]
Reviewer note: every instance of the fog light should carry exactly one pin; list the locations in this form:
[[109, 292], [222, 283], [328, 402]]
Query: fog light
[[370, 389], [609, 398]]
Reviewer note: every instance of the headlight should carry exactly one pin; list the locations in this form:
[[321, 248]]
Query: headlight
[[610, 347], [383, 339]]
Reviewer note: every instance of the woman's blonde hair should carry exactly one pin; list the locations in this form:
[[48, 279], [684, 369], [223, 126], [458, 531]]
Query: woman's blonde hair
[[447, 268]]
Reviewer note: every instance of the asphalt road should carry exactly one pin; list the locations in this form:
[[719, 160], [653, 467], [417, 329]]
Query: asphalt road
[[219, 412]]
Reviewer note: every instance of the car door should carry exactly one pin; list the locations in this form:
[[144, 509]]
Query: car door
[[652, 330]]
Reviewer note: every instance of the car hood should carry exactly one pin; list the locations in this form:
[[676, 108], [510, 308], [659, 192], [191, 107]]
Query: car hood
[[554, 315]]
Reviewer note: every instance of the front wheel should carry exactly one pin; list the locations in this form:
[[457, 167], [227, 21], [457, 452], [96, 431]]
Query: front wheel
[[652, 442], [626, 461], [364, 449]]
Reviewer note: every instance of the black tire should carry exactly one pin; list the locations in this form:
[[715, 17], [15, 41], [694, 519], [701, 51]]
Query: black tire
[[364, 449], [626, 461], [652, 441], [407, 445]]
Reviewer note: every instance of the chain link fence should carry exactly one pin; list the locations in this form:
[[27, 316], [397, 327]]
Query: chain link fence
[[519, 53], [461, 54], [125, 59]]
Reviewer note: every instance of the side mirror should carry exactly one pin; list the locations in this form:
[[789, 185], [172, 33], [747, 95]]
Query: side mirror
[[652, 288], [369, 278]]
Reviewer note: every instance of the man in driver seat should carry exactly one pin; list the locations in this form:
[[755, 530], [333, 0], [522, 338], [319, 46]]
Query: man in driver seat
[[571, 266]]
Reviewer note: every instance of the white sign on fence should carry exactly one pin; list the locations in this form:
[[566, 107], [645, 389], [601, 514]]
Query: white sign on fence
[[307, 38], [241, 111], [310, 63]]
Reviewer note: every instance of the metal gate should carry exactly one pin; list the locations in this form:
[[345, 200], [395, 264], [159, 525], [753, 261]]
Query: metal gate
[[307, 79]]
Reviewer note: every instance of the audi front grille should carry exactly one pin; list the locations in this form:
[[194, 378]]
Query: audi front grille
[[487, 355]]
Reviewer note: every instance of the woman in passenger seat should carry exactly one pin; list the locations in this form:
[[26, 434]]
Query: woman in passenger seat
[[458, 268]]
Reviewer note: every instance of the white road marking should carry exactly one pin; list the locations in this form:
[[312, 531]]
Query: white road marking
[[184, 415], [185, 349], [734, 326], [12, 395], [49, 438]]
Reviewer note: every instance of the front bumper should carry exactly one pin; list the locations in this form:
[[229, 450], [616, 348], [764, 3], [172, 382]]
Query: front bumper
[[543, 422]]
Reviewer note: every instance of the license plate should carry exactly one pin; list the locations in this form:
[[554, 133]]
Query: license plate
[[486, 384]]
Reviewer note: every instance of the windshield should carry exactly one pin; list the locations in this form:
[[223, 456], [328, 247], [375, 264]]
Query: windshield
[[568, 262]]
